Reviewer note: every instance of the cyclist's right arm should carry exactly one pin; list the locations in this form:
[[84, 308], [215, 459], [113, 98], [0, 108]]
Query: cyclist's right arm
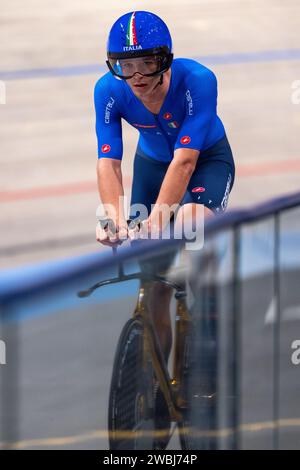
[[110, 149], [111, 190]]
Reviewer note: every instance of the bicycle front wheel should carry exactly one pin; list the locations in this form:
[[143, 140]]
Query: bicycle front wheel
[[131, 399]]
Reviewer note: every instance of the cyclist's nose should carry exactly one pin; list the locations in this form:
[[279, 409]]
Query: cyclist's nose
[[138, 67], [138, 72]]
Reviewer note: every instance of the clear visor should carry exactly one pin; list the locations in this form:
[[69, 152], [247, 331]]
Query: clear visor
[[126, 68]]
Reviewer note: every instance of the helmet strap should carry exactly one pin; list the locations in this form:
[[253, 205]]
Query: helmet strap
[[160, 82]]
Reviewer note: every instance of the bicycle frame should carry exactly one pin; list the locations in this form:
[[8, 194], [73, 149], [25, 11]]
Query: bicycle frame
[[170, 387]]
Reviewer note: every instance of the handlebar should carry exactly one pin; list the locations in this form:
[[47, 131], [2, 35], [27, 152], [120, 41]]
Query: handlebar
[[180, 292], [109, 224]]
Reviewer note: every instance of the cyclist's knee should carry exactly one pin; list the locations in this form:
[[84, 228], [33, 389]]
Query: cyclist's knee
[[208, 212], [188, 212], [157, 264]]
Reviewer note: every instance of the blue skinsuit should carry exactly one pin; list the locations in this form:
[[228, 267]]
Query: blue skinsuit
[[188, 119]]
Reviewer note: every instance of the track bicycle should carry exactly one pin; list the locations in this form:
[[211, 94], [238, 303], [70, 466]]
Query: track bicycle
[[140, 371]]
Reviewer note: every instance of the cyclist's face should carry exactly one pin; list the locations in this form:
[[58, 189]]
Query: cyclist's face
[[141, 85]]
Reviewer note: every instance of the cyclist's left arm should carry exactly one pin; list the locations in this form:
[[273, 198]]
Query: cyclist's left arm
[[201, 109], [177, 177]]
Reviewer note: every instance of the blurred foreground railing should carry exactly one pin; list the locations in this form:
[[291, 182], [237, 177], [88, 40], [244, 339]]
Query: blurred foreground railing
[[246, 303], [248, 306]]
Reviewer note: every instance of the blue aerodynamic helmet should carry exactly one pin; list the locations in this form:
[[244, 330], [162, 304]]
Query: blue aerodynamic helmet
[[139, 34]]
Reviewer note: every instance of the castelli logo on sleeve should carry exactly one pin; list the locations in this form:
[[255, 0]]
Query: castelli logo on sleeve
[[105, 148], [185, 140], [198, 189], [167, 116]]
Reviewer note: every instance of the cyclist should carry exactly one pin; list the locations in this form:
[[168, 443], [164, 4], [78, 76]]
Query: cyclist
[[183, 155]]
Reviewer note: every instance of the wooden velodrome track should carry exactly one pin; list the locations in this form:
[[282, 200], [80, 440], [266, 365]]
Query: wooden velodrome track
[[51, 54]]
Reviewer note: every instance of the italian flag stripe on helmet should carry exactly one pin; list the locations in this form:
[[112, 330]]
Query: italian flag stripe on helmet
[[131, 39]]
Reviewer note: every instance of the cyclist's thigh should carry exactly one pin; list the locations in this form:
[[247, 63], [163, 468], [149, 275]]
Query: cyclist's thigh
[[148, 176], [213, 177], [210, 185]]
